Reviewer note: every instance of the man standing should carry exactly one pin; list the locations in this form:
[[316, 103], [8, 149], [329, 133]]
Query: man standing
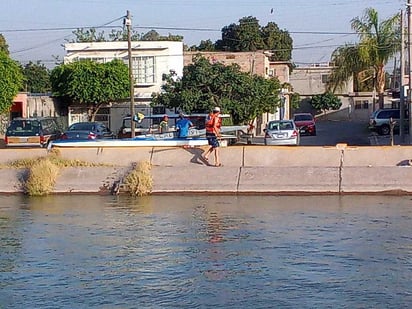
[[182, 126], [213, 124]]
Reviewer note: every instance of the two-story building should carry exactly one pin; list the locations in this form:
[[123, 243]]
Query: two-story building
[[312, 80], [150, 60]]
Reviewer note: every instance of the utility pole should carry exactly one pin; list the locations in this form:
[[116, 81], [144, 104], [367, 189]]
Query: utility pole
[[401, 85], [409, 67], [128, 23]]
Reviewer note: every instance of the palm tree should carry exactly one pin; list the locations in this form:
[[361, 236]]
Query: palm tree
[[378, 43]]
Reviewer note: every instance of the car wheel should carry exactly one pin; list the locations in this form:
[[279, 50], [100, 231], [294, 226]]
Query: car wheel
[[384, 130]]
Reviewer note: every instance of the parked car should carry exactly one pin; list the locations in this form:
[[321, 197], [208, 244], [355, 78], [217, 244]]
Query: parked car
[[282, 132], [380, 120], [305, 122], [37, 132], [87, 131]]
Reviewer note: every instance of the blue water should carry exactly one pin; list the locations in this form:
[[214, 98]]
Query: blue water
[[206, 252]]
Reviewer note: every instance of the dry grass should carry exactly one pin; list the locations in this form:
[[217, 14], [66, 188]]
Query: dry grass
[[43, 171], [42, 177], [140, 181], [54, 157]]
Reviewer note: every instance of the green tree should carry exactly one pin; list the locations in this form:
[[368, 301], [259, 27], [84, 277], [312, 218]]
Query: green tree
[[248, 35], [278, 41], [207, 45], [90, 83], [326, 101], [88, 35], [122, 35], [153, 35], [379, 41], [3, 45], [11, 81], [91, 35], [37, 77], [205, 85]]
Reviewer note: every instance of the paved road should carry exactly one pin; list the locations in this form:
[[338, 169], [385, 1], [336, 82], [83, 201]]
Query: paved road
[[330, 133], [352, 133]]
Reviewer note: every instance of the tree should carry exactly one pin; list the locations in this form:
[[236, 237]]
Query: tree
[[11, 81], [153, 35], [248, 35], [326, 101], [37, 77], [122, 35], [206, 46], [379, 41], [278, 41], [205, 85], [91, 35], [88, 35], [90, 83], [3, 45]]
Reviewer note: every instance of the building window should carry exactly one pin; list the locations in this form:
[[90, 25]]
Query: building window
[[144, 69], [324, 78], [361, 104], [158, 110]]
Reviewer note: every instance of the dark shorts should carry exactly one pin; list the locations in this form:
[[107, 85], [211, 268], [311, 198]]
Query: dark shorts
[[212, 140]]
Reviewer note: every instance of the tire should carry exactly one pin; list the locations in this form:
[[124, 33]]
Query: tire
[[384, 129]]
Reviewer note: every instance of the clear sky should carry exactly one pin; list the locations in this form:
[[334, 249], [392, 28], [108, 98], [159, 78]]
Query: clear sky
[[37, 29]]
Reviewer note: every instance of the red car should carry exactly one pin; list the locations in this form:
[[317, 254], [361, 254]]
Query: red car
[[305, 122]]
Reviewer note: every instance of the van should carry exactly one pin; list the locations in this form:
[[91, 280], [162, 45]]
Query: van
[[380, 120], [32, 132]]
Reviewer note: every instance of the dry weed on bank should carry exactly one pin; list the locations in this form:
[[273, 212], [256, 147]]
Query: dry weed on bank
[[140, 181], [42, 178], [54, 157], [43, 171]]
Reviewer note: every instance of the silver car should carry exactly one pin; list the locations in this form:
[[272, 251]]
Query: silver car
[[282, 132]]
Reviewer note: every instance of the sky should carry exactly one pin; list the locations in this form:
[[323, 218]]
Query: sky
[[36, 30]]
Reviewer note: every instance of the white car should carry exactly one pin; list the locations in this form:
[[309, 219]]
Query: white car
[[282, 132]]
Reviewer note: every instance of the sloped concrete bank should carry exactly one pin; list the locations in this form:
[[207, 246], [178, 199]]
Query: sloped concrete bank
[[247, 170]]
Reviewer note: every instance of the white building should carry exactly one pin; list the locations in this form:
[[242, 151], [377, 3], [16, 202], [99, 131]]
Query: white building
[[150, 60]]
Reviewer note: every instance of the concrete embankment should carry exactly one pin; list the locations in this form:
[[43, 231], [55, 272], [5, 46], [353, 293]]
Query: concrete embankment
[[247, 169]]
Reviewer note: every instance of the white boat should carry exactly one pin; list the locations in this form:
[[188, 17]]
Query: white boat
[[168, 139], [136, 142]]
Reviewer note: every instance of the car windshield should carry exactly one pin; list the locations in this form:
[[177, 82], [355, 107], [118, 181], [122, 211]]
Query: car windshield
[[23, 128], [303, 117], [82, 127], [276, 126]]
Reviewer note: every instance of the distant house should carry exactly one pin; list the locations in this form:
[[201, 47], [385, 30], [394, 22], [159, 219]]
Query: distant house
[[311, 80], [150, 60]]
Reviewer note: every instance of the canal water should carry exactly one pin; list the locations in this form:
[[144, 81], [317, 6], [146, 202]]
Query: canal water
[[206, 252]]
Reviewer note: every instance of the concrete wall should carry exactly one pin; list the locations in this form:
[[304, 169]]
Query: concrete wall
[[247, 169]]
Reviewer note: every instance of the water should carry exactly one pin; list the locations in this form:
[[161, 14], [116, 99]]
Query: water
[[205, 252]]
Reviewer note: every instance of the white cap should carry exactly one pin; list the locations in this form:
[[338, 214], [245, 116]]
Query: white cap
[[216, 109]]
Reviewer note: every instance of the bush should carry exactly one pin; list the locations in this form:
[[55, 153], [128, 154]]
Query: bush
[[42, 177], [140, 181]]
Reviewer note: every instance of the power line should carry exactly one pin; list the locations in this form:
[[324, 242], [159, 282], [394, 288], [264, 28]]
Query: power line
[[161, 28]]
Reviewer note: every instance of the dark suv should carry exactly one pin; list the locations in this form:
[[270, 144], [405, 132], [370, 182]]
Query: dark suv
[[380, 120], [32, 132]]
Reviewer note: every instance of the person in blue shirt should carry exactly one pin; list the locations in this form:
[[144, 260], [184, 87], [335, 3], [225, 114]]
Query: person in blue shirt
[[182, 126]]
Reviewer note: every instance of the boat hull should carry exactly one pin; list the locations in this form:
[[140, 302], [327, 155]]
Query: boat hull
[[136, 142]]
